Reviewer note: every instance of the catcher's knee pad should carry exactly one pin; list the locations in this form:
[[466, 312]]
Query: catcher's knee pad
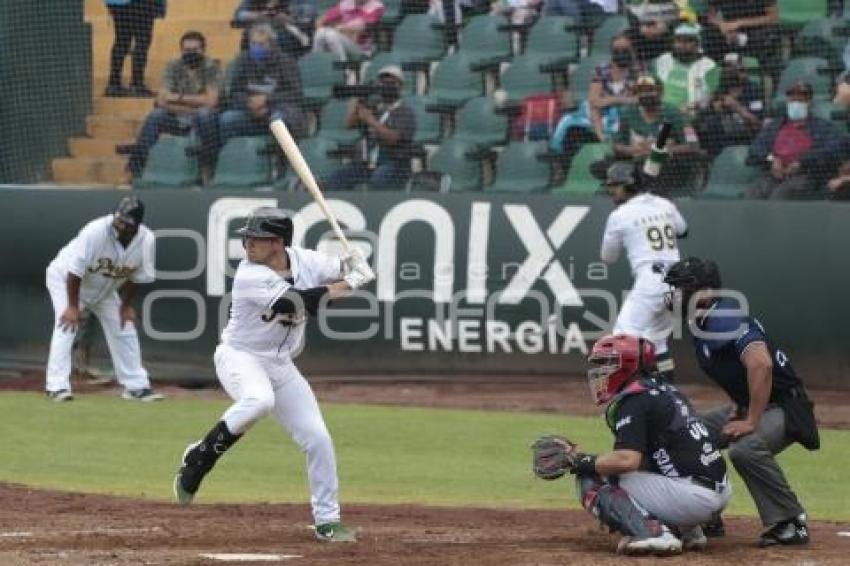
[[614, 507]]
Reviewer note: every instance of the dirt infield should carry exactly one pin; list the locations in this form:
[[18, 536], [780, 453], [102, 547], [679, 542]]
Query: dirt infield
[[46, 527]]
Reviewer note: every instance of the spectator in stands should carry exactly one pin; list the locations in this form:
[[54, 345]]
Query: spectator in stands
[[133, 22], [747, 27], [839, 186], [344, 29], [651, 26], [391, 127], [266, 85], [598, 117], [518, 11], [842, 89], [798, 150], [284, 18], [187, 101], [587, 13], [640, 124], [689, 77], [735, 114]]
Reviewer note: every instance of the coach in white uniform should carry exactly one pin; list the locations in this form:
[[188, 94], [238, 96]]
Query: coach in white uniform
[[98, 271], [648, 227], [274, 290]]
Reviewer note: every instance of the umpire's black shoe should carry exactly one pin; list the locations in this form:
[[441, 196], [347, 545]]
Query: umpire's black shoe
[[714, 528], [791, 532]]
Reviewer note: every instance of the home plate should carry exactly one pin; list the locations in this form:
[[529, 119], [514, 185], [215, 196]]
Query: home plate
[[844, 533], [247, 557]]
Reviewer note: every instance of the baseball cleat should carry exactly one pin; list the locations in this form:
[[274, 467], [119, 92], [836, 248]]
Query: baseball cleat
[[187, 481], [145, 395], [334, 532], [694, 539], [60, 396], [666, 544], [791, 532]]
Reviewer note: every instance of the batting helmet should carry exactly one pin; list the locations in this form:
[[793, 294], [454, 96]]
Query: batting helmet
[[614, 360], [623, 173], [268, 222], [130, 210]]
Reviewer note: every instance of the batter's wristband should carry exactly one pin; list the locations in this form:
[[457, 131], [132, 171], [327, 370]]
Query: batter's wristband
[[585, 464]]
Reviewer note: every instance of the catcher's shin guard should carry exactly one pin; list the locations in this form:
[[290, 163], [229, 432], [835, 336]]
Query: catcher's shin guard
[[200, 458], [615, 508]]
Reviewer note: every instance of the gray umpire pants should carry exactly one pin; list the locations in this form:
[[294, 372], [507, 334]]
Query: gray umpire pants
[[754, 459]]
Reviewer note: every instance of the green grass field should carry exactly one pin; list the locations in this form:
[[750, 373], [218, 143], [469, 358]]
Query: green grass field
[[103, 444]]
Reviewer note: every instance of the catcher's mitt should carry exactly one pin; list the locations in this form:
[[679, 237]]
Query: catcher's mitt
[[553, 456]]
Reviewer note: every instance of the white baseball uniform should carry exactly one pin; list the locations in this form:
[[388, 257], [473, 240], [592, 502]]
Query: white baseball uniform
[[255, 367], [647, 226], [103, 264]]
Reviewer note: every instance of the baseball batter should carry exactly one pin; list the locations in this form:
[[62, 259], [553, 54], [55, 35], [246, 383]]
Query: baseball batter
[[274, 290], [98, 272], [648, 227], [665, 475]]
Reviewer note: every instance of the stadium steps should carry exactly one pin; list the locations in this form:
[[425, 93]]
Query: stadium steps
[[92, 159]]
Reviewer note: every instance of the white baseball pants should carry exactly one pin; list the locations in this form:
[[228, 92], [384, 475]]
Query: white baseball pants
[[123, 343], [675, 501], [645, 314], [260, 386]]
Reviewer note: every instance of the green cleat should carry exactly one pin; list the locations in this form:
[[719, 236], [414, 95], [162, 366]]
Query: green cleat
[[334, 532]]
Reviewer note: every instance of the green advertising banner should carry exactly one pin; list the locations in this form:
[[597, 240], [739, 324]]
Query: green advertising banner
[[467, 283]]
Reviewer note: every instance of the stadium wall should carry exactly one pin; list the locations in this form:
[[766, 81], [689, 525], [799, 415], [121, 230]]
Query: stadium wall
[[467, 282], [45, 84]]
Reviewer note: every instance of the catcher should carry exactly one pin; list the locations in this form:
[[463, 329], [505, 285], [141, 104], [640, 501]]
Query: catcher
[[665, 475]]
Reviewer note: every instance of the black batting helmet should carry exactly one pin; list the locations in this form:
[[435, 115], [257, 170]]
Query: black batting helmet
[[130, 210], [268, 222], [623, 173]]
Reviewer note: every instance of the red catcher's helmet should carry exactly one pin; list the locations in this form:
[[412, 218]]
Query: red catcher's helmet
[[613, 360]]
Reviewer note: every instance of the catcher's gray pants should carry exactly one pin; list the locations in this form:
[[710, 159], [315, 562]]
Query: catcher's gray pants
[[753, 458], [675, 501]]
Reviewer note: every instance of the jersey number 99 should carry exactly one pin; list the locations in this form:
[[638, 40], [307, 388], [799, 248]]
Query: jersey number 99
[[659, 238]]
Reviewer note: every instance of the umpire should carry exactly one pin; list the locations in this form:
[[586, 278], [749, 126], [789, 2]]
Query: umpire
[[771, 410]]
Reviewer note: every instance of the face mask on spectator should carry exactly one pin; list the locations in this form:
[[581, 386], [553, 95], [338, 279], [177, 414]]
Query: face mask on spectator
[[622, 57], [797, 110], [192, 58], [389, 92], [259, 52], [649, 101], [685, 55]]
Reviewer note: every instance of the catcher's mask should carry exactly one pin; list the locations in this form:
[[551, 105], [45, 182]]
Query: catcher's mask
[[615, 359], [688, 276], [268, 222]]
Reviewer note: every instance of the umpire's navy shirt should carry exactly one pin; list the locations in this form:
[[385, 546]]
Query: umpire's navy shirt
[[723, 338]]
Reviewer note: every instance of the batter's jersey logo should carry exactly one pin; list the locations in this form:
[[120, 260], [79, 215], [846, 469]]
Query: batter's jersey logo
[[106, 267]]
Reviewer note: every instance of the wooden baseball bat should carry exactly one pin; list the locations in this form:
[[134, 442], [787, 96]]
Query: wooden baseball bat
[[296, 161]]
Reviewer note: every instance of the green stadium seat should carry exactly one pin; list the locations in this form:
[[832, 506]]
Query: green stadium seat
[[795, 14], [332, 123], [583, 74], [392, 12], [452, 159], [318, 77], [427, 123], [524, 77], [168, 166], [243, 163], [478, 124], [417, 40], [483, 42], [729, 176], [580, 181], [551, 41], [315, 151], [519, 171], [603, 35], [816, 39], [454, 82]]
